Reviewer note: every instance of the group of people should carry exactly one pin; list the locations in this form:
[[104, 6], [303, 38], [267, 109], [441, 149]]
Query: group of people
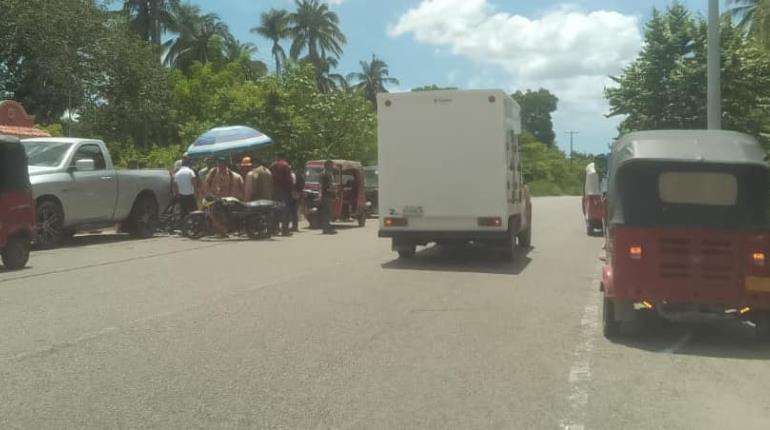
[[254, 180]]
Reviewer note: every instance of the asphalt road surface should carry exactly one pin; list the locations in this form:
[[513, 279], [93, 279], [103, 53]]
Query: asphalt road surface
[[332, 332]]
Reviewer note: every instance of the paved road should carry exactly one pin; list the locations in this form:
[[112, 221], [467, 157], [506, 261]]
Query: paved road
[[318, 332]]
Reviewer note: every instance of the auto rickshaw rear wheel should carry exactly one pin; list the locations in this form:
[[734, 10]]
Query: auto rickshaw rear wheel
[[610, 326], [763, 327], [16, 253]]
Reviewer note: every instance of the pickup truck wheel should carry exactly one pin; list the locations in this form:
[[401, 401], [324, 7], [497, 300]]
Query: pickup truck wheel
[[50, 224], [610, 326], [144, 217], [16, 253]]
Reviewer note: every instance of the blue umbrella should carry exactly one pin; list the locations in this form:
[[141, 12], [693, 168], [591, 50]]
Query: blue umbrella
[[225, 140]]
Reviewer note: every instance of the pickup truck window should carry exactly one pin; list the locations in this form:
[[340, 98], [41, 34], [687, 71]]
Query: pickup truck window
[[92, 152], [46, 154]]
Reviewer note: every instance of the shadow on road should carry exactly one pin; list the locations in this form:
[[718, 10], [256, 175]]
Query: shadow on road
[[470, 258], [96, 239], [723, 340]]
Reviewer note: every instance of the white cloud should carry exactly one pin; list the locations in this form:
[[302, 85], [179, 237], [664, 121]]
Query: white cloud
[[569, 51]]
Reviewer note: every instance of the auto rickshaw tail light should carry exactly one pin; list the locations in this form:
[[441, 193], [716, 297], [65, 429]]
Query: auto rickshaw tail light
[[758, 258], [635, 252], [494, 221], [396, 222]]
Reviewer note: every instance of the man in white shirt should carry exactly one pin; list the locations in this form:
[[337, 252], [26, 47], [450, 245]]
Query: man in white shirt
[[185, 187]]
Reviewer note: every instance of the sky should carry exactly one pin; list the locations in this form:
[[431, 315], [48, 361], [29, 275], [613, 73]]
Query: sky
[[568, 47]]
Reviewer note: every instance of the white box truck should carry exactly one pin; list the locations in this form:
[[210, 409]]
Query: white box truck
[[450, 170]]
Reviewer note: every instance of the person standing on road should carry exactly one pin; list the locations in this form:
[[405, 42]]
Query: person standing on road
[[296, 197], [223, 182], [327, 197], [259, 183], [185, 187], [282, 187]]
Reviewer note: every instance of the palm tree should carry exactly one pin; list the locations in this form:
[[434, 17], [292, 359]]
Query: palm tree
[[315, 28], [753, 16], [372, 78], [234, 49], [150, 18], [274, 25], [199, 38]]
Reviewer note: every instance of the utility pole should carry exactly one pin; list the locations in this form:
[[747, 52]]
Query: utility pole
[[714, 102], [571, 141]]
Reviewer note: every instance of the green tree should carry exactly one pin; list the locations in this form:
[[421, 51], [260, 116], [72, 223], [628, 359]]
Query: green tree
[[315, 28], [47, 53], [372, 78], [150, 18], [200, 37], [536, 109], [665, 87], [274, 25]]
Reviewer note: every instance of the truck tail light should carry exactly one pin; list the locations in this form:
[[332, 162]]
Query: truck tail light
[[494, 221], [396, 222], [635, 252], [758, 258]]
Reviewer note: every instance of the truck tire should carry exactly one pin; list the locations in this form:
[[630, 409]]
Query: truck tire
[[144, 218], [50, 224], [16, 253], [610, 326], [525, 238]]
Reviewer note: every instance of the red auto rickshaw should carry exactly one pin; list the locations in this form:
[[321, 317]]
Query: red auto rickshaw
[[593, 201], [688, 236], [350, 196], [17, 206]]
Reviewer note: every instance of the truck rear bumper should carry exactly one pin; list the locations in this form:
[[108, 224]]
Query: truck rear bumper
[[427, 236]]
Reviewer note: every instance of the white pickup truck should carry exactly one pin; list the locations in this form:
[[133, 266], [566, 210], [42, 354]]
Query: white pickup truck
[[76, 186]]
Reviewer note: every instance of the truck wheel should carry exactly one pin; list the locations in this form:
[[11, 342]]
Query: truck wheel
[[143, 221], [16, 253], [610, 326], [50, 224], [525, 238]]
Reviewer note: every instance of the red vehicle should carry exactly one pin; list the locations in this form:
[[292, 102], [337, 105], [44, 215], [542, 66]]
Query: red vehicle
[[688, 237], [593, 201], [17, 207], [350, 195]]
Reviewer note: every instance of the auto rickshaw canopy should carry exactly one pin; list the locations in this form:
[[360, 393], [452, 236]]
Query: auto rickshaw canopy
[[640, 159]]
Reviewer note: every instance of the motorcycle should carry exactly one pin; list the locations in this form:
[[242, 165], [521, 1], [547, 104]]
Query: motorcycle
[[230, 215]]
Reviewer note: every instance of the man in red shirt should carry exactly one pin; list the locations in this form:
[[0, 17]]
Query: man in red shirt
[[282, 186]]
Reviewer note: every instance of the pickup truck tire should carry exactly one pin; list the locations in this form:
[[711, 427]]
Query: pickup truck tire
[[144, 218], [16, 252], [50, 222]]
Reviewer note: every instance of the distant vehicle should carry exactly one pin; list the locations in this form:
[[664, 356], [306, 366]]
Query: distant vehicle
[[76, 186], [371, 189], [688, 229], [450, 170], [349, 202], [593, 202], [17, 208]]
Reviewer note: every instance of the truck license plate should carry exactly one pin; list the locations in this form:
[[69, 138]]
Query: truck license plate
[[413, 211]]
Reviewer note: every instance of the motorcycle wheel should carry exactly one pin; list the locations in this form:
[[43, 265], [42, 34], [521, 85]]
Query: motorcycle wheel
[[259, 227], [194, 226]]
